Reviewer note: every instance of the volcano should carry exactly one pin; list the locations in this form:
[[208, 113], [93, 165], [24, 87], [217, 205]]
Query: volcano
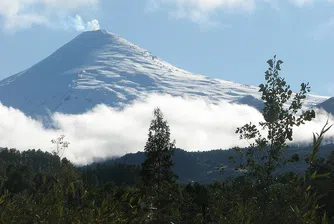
[[99, 67]]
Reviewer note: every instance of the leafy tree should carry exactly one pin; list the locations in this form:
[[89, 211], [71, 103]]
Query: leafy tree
[[282, 111]]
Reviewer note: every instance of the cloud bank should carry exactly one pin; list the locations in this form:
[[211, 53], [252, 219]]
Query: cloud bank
[[20, 14], [104, 131]]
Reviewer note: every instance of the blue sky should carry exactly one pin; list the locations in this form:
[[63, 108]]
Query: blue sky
[[228, 39]]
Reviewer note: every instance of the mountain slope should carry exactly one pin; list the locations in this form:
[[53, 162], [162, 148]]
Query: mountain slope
[[251, 101], [99, 67], [327, 105]]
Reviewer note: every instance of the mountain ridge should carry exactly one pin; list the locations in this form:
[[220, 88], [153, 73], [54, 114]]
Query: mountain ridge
[[99, 67], [327, 105]]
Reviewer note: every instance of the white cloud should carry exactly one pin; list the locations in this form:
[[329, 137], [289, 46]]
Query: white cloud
[[93, 25], [301, 3], [298, 3], [18, 14], [200, 11], [203, 12], [103, 132], [80, 25], [304, 133]]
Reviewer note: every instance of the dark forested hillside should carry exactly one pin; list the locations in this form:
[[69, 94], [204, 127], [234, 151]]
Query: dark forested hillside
[[210, 166]]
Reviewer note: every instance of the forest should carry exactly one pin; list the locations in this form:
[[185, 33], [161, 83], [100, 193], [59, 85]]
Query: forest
[[271, 181]]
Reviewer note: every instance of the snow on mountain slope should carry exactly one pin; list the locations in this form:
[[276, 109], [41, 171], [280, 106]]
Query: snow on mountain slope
[[98, 67]]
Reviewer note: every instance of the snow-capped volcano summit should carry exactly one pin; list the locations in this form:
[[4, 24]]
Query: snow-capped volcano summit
[[99, 67]]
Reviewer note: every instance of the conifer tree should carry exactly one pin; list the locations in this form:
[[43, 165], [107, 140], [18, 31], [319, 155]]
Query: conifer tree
[[157, 175], [156, 169]]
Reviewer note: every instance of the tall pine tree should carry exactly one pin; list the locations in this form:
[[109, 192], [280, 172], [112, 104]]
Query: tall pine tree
[[157, 175], [159, 149]]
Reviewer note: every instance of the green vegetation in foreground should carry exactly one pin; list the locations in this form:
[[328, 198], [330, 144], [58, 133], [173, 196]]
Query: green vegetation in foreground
[[40, 187]]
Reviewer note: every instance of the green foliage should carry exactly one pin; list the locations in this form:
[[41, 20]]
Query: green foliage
[[41, 187], [281, 114], [282, 111], [61, 197], [117, 173], [159, 149], [157, 176]]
